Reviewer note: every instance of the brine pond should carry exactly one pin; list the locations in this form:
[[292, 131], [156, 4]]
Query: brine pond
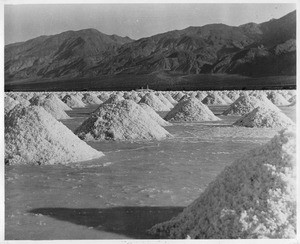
[[134, 186]]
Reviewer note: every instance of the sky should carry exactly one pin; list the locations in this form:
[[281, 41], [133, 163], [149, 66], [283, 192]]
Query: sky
[[23, 22]]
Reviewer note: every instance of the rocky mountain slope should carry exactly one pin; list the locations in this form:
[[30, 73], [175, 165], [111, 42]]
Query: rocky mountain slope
[[252, 49], [67, 54]]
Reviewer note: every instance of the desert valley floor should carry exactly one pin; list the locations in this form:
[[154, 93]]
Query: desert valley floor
[[134, 186]]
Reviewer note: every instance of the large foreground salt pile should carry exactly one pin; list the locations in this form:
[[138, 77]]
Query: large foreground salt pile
[[33, 136], [73, 101], [124, 120], [265, 117], [154, 102], [255, 197], [53, 105], [153, 115], [191, 110]]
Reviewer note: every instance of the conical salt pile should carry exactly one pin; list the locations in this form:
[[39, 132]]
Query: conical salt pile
[[153, 115], [132, 96], [54, 98], [265, 117], [73, 101], [178, 96], [103, 96], [191, 110], [124, 120], [243, 105], [9, 103], [53, 106], [292, 100], [278, 99], [225, 98], [91, 99], [170, 98], [33, 136], [19, 98], [154, 102], [200, 95], [114, 98], [213, 99], [165, 101], [233, 95], [255, 197]]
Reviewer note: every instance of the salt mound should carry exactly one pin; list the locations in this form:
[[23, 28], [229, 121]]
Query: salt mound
[[73, 101], [233, 95], [19, 98], [103, 96], [59, 102], [33, 136], [292, 100], [132, 96], [154, 102], [165, 101], [243, 105], [153, 115], [178, 96], [278, 99], [255, 197], [53, 106], [114, 98], [191, 110], [200, 95], [9, 103], [225, 98], [124, 120], [90, 98], [213, 99], [170, 98], [264, 117]]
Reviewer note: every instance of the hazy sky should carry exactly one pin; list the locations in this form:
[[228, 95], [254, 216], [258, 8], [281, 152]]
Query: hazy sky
[[23, 22]]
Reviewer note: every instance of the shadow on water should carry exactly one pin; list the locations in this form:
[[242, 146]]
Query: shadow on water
[[130, 221]]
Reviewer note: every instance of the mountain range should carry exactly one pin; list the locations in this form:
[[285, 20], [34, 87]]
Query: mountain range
[[265, 49]]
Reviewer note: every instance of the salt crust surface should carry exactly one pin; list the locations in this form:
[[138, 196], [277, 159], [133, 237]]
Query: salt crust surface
[[73, 101], [265, 117], [255, 197], [124, 120], [154, 102], [153, 115], [33, 136], [191, 110]]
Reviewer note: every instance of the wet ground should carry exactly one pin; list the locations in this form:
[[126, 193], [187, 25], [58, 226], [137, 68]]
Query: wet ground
[[134, 186]]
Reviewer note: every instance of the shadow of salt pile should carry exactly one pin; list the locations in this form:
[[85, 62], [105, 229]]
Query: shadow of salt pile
[[130, 221]]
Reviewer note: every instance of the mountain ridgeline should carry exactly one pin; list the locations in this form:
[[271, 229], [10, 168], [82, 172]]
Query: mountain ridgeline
[[266, 49]]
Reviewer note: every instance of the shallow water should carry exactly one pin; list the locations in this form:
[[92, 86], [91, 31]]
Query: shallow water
[[134, 186]]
